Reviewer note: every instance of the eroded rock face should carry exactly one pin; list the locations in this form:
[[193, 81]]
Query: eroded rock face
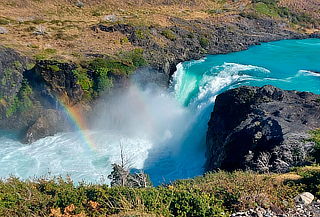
[[28, 97], [52, 79], [263, 129], [48, 124], [11, 72], [12, 67]]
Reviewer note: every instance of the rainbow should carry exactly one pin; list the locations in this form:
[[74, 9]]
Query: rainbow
[[78, 121], [76, 118]]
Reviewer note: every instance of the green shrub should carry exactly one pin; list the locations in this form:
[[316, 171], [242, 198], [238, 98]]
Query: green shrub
[[22, 101], [101, 67], [266, 9], [54, 68], [271, 9], [243, 190], [18, 65], [124, 40], [4, 21], [310, 181], [134, 58], [268, 2], [84, 81], [214, 194], [59, 194], [169, 34], [204, 42], [195, 203], [45, 54], [316, 139], [142, 33]]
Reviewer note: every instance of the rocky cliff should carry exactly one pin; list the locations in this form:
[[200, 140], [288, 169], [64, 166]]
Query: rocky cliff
[[165, 47], [262, 129]]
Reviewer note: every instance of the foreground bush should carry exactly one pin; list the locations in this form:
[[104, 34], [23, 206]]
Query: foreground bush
[[215, 194], [49, 197]]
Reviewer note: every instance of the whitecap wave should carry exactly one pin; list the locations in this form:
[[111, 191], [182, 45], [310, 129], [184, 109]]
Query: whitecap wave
[[222, 76], [307, 73]]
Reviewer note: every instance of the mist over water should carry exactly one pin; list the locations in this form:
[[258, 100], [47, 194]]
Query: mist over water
[[162, 131]]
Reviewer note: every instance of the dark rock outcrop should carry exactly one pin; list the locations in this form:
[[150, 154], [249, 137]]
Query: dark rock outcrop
[[262, 129], [12, 66], [28, 97], [49, 123], [52, 80]]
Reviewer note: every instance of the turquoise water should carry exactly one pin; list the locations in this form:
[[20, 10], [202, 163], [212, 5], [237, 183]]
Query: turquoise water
[[163, 131], [287, 64]]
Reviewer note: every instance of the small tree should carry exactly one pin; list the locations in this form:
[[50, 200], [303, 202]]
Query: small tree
[[121, 176], [263, 162]]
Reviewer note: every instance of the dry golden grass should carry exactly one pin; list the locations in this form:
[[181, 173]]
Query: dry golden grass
[[68, 26], [310, 7]]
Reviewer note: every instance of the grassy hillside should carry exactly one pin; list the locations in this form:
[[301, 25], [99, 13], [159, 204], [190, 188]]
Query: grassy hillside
[[60, 29]]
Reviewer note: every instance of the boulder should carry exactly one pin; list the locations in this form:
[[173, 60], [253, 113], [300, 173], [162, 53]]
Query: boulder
[[111, 18], [3, 30], [48, 124], [79, 4], [304, 198], [40, 30], [264, 129]]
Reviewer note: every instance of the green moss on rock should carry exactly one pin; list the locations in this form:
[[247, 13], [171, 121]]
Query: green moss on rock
[[22, 101]]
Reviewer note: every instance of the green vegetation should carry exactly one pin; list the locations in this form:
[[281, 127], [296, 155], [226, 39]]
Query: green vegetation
[[204, 42], [17, 65], [101, 68], [142, 33], [22, 101], [266, 9], [45, 197], [124, 40], [214, 194], [169, 34], [4, 21], [95, 76], [316, 139], [54, 68], [270, 8], [310, 179], [84, 81], [6, 76], [45, 54]]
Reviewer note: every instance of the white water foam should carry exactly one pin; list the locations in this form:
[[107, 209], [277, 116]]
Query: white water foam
[[307, 73], [220, 77], [66, 154]]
